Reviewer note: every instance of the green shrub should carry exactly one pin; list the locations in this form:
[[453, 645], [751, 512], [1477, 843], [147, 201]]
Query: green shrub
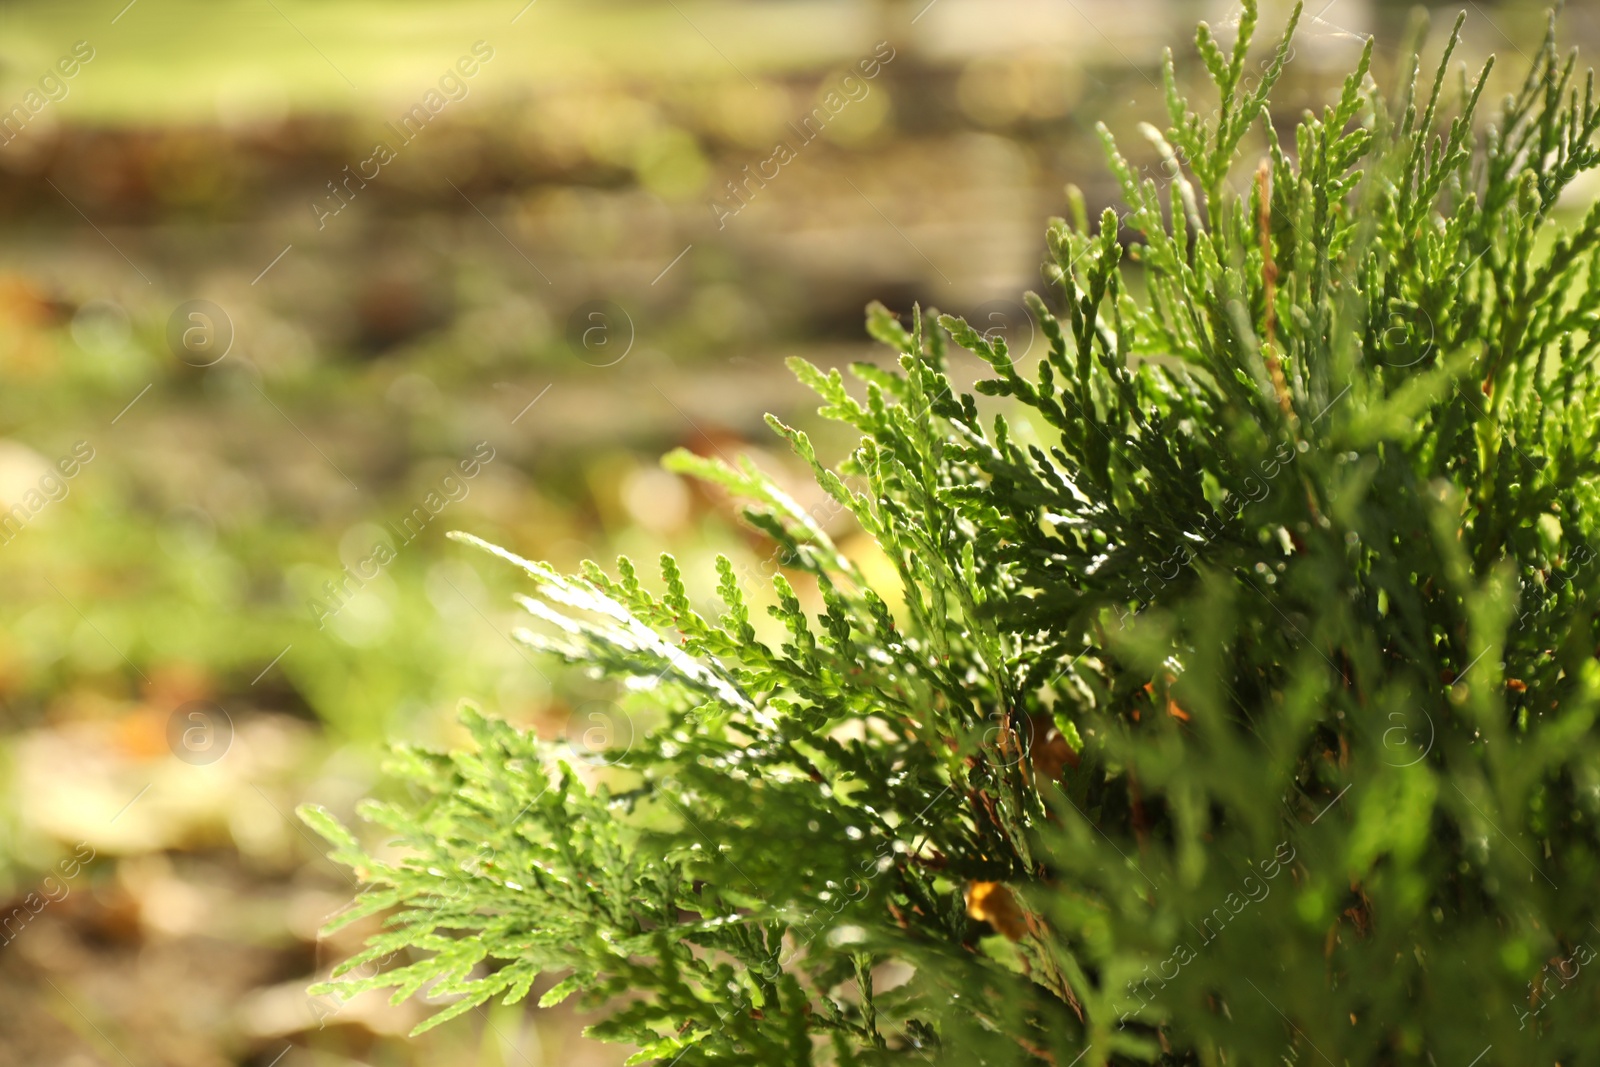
[[1236, 702]]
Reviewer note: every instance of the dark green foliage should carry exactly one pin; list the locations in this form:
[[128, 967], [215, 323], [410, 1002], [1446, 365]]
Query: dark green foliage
[[1237, 704]]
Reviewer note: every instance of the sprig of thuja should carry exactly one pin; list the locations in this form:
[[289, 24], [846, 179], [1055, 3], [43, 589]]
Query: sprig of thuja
[[1233, 696]]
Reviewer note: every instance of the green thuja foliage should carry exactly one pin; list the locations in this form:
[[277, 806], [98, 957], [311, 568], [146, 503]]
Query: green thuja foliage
[[1235, 703]]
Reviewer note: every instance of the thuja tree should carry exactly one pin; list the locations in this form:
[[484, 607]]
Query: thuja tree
[[1235, 700]]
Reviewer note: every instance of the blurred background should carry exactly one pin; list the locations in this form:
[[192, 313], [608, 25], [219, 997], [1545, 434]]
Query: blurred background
[[288, 289]]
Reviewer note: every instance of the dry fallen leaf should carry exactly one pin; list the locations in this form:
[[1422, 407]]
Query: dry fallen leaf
[[1052, 754], [993, 903]]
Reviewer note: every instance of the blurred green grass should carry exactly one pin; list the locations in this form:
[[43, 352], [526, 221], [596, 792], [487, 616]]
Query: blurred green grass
[[165, 60]]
